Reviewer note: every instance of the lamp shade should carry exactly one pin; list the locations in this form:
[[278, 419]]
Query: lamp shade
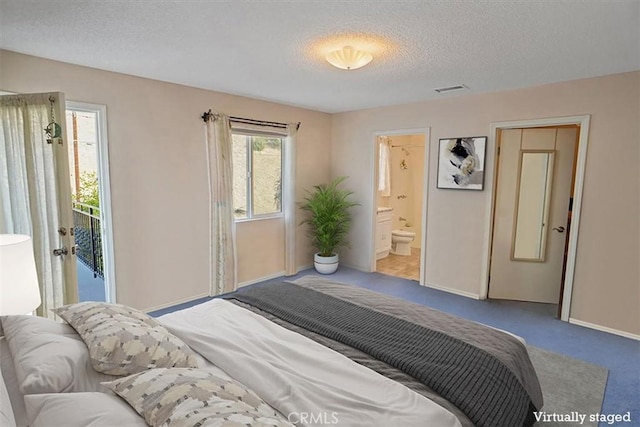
[[349, 58], [19, 289]]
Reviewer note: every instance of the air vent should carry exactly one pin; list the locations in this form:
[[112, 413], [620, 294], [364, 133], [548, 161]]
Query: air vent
[[450, 88]]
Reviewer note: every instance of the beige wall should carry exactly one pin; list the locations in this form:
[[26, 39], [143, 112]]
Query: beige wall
[[158, 181], [159, 178], [607, 279], [263, 242]]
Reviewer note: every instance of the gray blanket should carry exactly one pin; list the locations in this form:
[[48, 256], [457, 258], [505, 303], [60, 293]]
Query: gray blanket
[[492, 384]]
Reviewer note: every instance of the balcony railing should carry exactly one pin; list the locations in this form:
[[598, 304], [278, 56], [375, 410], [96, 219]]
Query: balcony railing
[[88, 236]]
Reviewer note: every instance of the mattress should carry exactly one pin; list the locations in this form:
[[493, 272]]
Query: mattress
[[505, 348], [306, 377]]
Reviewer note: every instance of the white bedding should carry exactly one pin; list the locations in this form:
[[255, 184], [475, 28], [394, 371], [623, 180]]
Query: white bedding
[[46, 363], [49, 357], [10, 382], [80, 410], [307, 382], [7, 417]]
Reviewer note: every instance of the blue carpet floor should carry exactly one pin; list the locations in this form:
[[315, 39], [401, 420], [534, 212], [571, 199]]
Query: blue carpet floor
[[534, 322]]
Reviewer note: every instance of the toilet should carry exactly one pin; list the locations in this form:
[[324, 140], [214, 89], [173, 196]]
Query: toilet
[[400, 240]]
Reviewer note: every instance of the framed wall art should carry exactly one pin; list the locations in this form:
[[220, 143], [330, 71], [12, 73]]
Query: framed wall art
[[461, 163]]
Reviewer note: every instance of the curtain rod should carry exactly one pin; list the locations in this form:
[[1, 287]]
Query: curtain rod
[[205, 116]]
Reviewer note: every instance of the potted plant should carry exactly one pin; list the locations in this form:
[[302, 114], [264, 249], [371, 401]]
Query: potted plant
[[329, 221]]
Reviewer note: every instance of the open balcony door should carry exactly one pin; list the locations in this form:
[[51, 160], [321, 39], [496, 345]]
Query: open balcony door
[[35, 196]]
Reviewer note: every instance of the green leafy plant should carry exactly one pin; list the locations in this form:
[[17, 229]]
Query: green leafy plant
[[88, 192], [328, 219]]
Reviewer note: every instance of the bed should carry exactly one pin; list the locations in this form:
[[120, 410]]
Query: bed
[[307, 353]]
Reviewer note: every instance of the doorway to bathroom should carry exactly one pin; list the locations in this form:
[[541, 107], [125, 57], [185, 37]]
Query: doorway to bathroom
[[400, 203]]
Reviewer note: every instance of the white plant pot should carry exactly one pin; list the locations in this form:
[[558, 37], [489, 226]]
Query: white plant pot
[[325, 264]]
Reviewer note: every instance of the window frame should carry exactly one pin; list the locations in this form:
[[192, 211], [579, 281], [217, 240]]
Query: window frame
[[249, 173]]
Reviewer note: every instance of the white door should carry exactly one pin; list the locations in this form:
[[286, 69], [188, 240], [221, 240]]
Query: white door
[[35, 196], [531, 219]]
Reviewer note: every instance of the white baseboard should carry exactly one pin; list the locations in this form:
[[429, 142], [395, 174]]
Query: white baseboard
[[273, 276], [428, 285], [604, 329], [261, 279], [356, 267], [304, 267], [176, 302], [453, 291], [246, 283]]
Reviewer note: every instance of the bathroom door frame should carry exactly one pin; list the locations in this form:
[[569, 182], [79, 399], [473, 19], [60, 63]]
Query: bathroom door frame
[[579, 167], [373, 172]]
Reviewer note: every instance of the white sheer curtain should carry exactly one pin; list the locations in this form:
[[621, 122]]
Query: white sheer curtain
[[289, 200], [384, 167], [28, 189], [222, 239]]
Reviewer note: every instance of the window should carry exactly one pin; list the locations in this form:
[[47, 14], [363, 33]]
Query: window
[[257, 175]]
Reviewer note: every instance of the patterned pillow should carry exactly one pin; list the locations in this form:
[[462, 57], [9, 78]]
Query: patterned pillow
[[181, 397], [122, 340]]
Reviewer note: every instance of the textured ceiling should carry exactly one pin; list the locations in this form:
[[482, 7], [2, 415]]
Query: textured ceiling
[[274, 50]]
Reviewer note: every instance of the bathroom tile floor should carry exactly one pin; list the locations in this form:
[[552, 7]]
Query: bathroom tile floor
[[406, 267]]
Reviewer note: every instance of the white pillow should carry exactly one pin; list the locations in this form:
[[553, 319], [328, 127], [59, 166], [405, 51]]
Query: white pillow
[[80, 410], [49, 357]]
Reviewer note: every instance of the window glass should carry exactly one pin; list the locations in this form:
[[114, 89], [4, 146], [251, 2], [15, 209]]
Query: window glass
[[267, 172], [82, 129], [257, 175]]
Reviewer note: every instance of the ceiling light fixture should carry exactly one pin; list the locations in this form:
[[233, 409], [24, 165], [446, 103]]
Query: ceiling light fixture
[[349, 58]]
